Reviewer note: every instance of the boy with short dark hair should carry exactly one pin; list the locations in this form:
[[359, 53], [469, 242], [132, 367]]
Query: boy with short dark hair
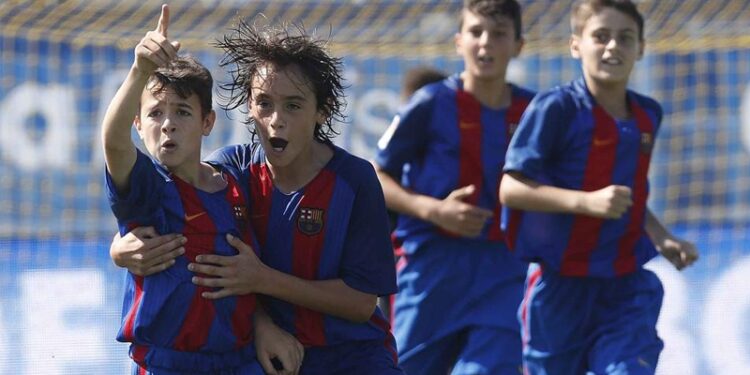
[[440, 163], [171, 328], [578, 167]]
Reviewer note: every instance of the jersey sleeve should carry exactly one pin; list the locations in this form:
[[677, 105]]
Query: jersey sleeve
[[138, 203], [406, 138], [368, 263], [537, 137]]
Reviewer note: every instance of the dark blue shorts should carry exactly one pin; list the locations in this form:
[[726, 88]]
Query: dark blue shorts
[[478, 350], [361, 358], [162, 361], [580, 325], [456, 309]]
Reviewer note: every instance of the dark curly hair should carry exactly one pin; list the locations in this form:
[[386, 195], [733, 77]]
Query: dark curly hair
[[248, 48], [186, 76]]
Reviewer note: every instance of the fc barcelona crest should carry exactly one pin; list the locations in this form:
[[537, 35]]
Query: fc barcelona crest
[[647, 142], [310, 220]]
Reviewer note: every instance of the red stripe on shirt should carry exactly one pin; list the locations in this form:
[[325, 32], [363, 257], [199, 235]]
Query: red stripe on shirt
[[598, 174], [470, 146], [261, 194], [626, 262], [306, 254], [127, 329], [242, 316], [200, 232], [470, 153], [138, 353]]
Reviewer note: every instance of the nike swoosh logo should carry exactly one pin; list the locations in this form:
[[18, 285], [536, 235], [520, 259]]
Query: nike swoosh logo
[[598, 142], [467, 125], [191, 217]]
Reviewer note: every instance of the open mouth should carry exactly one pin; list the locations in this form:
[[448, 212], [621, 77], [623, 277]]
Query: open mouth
[[168, 145], [485, 59], [278, 144]]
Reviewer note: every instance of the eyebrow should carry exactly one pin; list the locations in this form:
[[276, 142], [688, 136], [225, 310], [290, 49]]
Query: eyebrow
[[184, 105], [625, 30], [288, 97], [159, 103]]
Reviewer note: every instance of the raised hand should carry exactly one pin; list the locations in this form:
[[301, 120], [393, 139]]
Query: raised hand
[[456, 216], [610, 202], [155, 50]]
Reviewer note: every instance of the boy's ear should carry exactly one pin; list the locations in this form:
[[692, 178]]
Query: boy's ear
[[137, 123], [457, 42], [208, 123], [573, 44], [138, 126]]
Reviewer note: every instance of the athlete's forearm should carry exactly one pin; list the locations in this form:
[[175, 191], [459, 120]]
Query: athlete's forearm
[[119, 151], [517, 191], [404, 201], [657, 232], [332, 297]]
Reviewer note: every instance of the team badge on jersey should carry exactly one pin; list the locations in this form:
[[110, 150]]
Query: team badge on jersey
[[310, 220], [647, 142]]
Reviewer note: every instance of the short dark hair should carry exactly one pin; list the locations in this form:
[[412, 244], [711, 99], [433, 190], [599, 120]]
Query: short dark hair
[[417, 77], [494, 9], [185, 75], [584, 9], [248, 48]]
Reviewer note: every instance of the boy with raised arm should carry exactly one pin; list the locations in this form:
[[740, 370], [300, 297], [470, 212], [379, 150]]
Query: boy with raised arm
[[171, 327]]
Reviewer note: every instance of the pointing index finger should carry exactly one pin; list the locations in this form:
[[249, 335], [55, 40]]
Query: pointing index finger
[[163, 24]]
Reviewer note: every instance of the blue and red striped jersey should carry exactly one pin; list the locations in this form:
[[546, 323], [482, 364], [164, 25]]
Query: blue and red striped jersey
[[336, 227], [445, 139], [166, 310], [566, 139]]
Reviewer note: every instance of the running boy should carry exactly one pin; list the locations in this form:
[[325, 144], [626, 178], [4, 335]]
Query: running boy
[[440, 164], [413, 80], [171, 328], [578, 167], [318, 211]]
